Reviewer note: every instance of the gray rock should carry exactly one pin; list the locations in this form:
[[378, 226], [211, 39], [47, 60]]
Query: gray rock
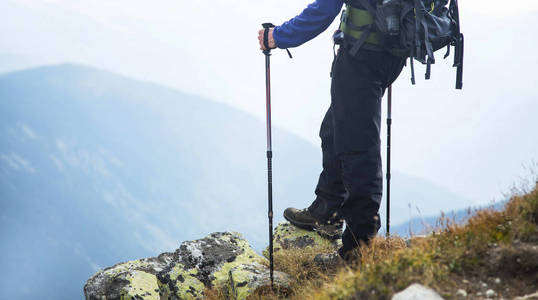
[[287, 236], [223, 260], [490, 293], [417, 292], [528, 297], [461, 293], [125, 279], [247, 278]]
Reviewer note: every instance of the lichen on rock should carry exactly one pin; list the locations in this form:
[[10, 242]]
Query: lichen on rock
[[246, 255], [221, 260], [142, 285], [245, 279], [181, 283], [287, 236], [127, 280]]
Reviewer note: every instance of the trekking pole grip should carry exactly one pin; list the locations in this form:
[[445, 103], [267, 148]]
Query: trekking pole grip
[[266, 27], [267, 50]]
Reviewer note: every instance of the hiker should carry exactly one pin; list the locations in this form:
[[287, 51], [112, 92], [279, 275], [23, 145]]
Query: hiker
[[350, 185]]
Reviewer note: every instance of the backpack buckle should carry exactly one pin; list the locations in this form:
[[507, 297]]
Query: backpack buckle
[[343, 16], [338, 37]]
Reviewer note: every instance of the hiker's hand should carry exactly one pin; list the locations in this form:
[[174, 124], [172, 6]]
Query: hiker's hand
[[270, 39]]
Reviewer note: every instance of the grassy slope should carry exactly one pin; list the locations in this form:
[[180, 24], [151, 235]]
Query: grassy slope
[[493, 250]]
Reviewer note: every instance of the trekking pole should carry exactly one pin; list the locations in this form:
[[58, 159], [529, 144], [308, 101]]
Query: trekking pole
[[267, 53], [389, 123]]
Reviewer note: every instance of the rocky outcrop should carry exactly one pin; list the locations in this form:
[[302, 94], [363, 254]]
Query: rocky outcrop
[[220, 260], [287, 236]]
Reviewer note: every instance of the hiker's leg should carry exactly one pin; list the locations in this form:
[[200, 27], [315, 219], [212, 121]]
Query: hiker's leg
[[358, 86], [330, 190]]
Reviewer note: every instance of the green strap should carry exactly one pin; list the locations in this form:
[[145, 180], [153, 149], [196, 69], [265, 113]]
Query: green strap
[[354, 18]]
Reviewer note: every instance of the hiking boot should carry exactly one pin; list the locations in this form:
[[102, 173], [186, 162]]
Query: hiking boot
[[300, 218], [303, 219], [330, 231]]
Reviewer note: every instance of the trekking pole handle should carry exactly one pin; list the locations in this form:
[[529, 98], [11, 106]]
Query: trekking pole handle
[[267, 50], [266, 26]]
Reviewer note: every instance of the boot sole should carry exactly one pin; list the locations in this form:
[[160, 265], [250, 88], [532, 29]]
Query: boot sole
[[313, 227], [331, 237], [305, 226]]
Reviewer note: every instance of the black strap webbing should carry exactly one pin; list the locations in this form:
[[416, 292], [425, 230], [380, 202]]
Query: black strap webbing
[[411, 59], [360, 42], [447, 54], [429, 51], [418, 17], [366, 29], [453, 10], [428, 69], [459, 71]]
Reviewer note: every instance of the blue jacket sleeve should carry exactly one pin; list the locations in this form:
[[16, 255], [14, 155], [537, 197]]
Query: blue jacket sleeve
[[312, 21]]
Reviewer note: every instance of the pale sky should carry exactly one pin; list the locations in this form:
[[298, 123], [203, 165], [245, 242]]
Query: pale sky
[[474, 142]]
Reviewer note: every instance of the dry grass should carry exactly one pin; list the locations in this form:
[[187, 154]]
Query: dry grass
[[440, 261], [306, 276]]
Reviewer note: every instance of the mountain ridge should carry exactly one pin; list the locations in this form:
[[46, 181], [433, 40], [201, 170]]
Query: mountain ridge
[[97, 168]]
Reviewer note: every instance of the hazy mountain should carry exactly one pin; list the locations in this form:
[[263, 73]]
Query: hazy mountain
[[10, 62], [96, 168], [426, 224]]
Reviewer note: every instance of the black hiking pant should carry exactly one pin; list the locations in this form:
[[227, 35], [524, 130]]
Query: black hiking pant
[[351, 183]]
